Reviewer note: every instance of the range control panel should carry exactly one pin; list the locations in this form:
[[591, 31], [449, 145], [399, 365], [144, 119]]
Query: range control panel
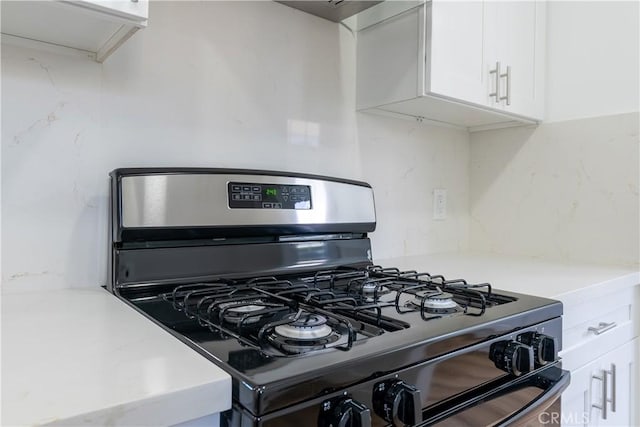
[[247, 195]]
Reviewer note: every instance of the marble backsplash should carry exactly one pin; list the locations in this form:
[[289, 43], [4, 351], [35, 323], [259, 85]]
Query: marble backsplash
[[566, 190], [197, 89]]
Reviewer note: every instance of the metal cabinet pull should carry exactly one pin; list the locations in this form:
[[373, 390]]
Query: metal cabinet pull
[[496, 94], [612, 372], [507, 75], [602, 327], [603, 405]]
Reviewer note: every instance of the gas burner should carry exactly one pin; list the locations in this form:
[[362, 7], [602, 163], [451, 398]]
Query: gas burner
[[308, 326], [369, 290], [436, 302], [235, 311], [305, 332], [372, 289]]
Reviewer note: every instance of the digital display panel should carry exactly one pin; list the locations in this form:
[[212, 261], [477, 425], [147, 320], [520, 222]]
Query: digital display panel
[[246, 195]]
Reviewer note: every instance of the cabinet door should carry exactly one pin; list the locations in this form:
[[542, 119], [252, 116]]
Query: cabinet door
[[582, 402], [575, 399], [455, 60], [514, 38], [520, 21], [620, 370]]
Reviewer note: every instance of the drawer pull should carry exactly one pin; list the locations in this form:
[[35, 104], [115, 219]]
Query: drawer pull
[[602, 327]]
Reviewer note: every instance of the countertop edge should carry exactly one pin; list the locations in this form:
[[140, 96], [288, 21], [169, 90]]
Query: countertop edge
[[163, 409], [603, 287]]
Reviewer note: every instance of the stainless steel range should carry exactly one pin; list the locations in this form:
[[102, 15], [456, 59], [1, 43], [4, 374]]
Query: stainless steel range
[[270, 276]]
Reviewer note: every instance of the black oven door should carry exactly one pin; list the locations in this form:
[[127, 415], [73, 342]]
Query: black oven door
[[530, 400]]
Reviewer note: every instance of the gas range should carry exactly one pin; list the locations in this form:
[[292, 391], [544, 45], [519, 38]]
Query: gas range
[[270, 276]]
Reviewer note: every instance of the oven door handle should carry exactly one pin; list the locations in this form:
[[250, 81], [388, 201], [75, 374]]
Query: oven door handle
[[552, 380], [542, 402]]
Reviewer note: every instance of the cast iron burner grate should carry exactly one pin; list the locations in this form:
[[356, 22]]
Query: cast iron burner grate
[[326, 309], [367, 291], [424, 288], [259, 318]]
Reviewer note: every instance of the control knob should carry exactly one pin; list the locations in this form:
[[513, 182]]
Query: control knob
[[544, 347], [512, 357], [397, 403], [344, 412]]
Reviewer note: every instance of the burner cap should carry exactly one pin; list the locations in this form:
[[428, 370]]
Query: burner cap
[[237, 309], [443, 299], [248, 308], [440, 302], [308, 326]]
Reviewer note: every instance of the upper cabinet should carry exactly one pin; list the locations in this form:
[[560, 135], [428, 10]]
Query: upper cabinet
[[96, 26], [474, 64]]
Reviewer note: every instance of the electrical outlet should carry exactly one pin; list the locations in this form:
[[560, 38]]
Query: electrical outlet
[[439, 203]]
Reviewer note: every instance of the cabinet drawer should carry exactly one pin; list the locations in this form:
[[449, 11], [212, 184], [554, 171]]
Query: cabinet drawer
[[596, 327], [592, 307], [611, 309], [595, 346]]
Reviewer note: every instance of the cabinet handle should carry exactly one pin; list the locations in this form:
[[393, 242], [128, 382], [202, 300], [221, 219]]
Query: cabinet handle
[[496, 94], [507, 75], [603, 405], [602, 327], [612, 372]]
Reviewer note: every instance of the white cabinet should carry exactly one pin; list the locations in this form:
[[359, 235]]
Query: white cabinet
[[601, 392], [438, 61], [600, 343], [95, 26]]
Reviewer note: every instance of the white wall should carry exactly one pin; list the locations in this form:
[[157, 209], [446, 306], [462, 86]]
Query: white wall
[[592, 59], [568, 189], [220, 84], [565, 190]]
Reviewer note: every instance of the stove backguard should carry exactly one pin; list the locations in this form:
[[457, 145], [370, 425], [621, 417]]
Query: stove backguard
[[170, 225], [171, 204]]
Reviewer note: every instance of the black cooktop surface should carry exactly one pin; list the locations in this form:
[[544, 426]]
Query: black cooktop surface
[[280, 329]]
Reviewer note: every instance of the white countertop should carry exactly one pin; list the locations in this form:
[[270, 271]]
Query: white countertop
[[522, 274], [83, 357]]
